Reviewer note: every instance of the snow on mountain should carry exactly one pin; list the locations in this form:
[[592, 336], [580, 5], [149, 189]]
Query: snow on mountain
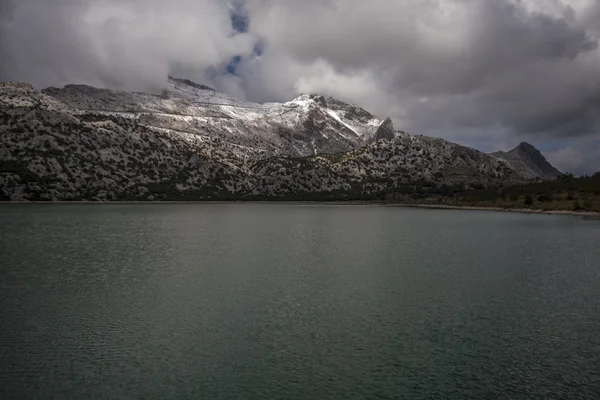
[[192, 142], [301, 127]]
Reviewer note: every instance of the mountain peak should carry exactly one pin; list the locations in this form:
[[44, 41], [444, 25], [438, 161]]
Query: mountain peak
[[320, 100], [527, 155], [17, 85], [309, 97], [187, 82], [526, 147]]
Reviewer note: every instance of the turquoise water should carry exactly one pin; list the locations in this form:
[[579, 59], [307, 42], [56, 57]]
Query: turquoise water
[[289, 301]]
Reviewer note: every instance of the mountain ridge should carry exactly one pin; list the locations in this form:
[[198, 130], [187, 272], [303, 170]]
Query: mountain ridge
[[192, 142]]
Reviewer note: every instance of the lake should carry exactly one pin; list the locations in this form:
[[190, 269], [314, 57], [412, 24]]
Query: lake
[[294, 301]]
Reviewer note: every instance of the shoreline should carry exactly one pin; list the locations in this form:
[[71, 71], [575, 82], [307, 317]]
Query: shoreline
[[590, 214]]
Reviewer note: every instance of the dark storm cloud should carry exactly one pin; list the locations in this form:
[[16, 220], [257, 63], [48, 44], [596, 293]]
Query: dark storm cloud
[[532, 72], [486, 72]]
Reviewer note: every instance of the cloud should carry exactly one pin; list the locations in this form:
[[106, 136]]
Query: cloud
[[566, 159], [513, 62], [488, 73], [578, 157], [131, 44]]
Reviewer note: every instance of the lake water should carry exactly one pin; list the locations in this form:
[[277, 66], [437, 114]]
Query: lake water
[[288, 301]]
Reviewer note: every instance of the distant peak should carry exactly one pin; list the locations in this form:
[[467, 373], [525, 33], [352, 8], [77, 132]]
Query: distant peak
[[74, 88], [78, 86], [526, 146], [19, 85], [190, 83], [534, 159]]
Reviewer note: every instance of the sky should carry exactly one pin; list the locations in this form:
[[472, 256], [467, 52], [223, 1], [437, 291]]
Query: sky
[[484, 73]]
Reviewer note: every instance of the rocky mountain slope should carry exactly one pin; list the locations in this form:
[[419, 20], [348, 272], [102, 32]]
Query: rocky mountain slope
[[191, 142], [529, 162], [304, 126]]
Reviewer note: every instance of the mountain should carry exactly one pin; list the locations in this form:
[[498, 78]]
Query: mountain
[[529, 161], [304, 126], [191, 142]]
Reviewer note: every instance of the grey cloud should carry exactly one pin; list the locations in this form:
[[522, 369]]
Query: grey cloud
[[125, 44], [579, 157], [38, 38]]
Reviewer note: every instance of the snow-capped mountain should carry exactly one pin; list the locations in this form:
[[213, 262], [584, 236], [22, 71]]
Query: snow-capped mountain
[[304, 126], [192, 142]]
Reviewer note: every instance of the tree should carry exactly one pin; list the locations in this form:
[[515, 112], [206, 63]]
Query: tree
[[565, 177], [528, 200]]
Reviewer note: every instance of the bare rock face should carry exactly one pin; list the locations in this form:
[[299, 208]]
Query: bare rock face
[[535, 160], [529, 161], [319, 100], [385, 130], [192, 142]]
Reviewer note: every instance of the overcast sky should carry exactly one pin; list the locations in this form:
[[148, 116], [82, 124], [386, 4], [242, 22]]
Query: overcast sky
[[485, 73]]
